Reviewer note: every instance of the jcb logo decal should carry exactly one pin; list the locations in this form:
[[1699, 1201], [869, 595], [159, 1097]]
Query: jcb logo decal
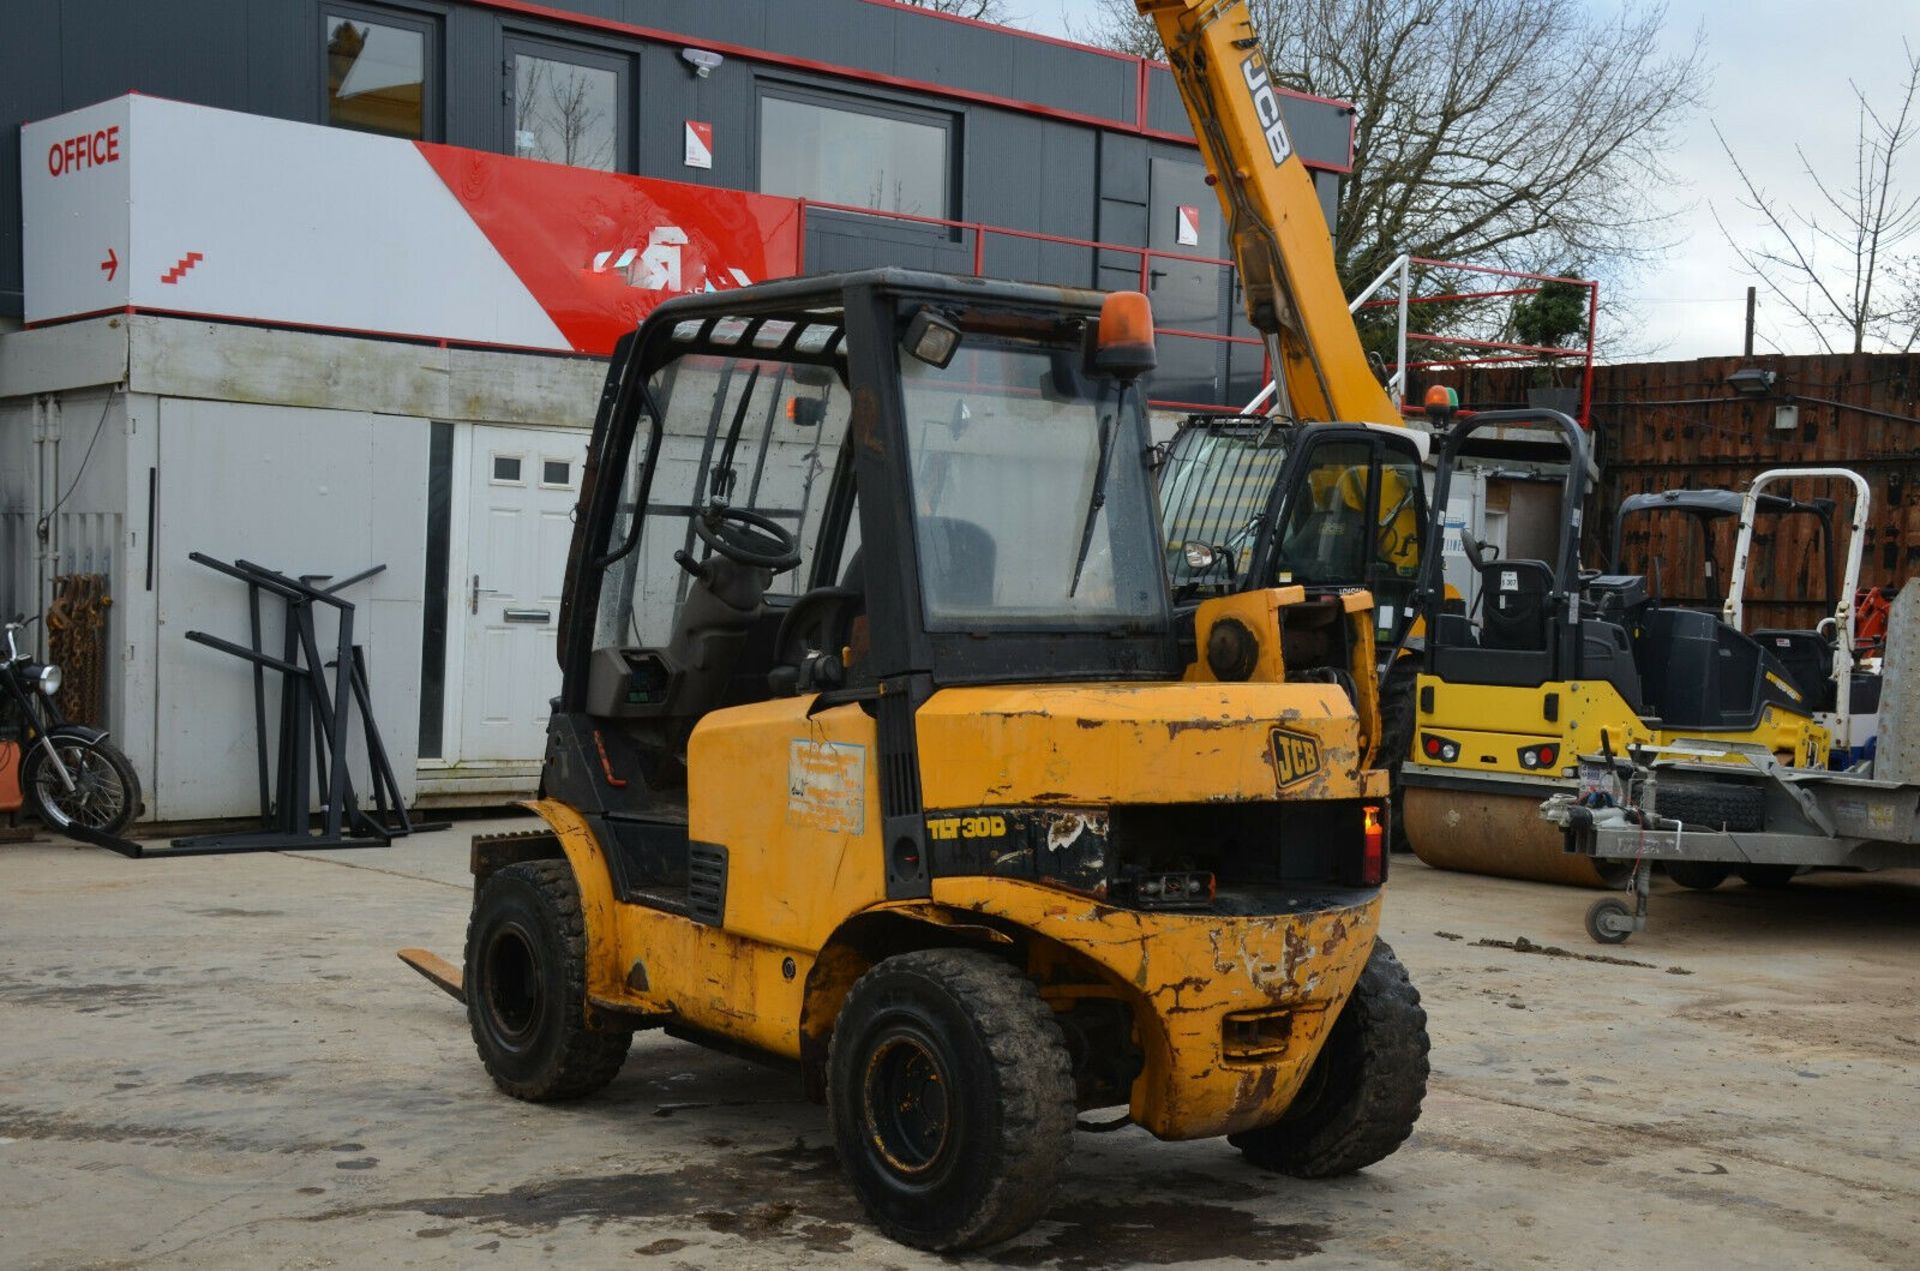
[[1266, 104], [1296, 756]]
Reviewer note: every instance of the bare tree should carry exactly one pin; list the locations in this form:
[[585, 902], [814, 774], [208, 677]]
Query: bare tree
[[1845, 268], [1519, 133], [980, 10]]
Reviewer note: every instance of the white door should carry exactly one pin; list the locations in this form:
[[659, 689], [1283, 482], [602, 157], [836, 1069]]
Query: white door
[[523, 485], [303, 491]]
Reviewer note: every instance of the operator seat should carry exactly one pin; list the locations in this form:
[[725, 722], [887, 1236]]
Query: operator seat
[[1808, 659], [956, 564], [817, 626], [1515, 596]]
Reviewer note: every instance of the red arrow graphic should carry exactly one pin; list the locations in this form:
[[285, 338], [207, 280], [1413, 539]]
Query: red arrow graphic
[[111, 264]]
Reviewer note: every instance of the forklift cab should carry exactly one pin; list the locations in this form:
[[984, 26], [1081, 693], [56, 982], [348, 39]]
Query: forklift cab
[[1258, 501], [858, 488]]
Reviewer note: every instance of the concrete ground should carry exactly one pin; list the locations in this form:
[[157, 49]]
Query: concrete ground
[[219, 1062]]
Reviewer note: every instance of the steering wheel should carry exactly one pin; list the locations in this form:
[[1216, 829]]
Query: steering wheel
[[747, 537]]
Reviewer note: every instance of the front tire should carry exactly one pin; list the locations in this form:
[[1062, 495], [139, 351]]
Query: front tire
[[526, 987], [1364, 1091], [106, 792], [952, 1098]]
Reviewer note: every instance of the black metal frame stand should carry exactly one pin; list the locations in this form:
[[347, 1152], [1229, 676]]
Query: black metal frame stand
[[314, 724]]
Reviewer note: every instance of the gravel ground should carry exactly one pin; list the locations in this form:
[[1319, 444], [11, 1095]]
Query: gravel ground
[[219, 1062]]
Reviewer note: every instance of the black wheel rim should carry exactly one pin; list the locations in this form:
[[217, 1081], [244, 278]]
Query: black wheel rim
[[906, 1103], [512, 986], [98, 798]]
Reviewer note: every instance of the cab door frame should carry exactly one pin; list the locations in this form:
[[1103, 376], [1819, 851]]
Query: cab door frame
[[1381, 446]]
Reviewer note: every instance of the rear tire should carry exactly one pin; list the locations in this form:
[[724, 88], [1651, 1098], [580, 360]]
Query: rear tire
[[952, 1098], [1698, 875], [1769, 877], [1396, 739], [1363, 1094], [526, 987]]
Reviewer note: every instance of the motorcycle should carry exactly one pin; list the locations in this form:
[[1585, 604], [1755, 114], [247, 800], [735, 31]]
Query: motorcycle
[[73, 779]]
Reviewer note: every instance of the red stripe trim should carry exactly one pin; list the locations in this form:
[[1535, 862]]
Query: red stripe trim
[[1137, 127], [1149, 63], [1035, 36]]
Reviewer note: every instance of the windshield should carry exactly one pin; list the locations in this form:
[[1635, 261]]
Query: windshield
[[749, 432], [1214, 488], [1032, 505]]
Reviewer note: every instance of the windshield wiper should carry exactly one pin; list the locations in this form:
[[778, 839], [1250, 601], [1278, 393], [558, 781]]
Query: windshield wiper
[[1095, 501]]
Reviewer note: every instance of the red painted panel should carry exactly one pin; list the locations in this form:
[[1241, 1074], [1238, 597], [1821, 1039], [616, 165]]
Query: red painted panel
[[600, 250]]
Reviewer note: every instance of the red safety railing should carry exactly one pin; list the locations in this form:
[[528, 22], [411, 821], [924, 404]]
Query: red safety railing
[[1498, 351], [979, 232]]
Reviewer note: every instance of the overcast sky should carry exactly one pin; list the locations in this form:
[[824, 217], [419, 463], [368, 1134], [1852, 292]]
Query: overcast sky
[[1780, 70]]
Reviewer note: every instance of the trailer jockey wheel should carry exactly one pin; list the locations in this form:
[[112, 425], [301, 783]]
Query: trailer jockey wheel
[[1609, 921]]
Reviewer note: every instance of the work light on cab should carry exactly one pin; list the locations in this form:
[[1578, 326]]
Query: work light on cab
[[932, 338]]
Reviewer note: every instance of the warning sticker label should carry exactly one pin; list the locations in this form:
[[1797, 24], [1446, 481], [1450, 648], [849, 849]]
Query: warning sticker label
[[827, 786]]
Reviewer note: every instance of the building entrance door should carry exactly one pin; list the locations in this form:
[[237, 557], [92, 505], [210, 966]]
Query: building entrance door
[[1187, 295], [523, 485]]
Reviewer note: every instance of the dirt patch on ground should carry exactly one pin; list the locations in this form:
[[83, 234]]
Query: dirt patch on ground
[[814, 1211], [1520, 944], [1108, 1234], [32, 1123], [726, 1194]]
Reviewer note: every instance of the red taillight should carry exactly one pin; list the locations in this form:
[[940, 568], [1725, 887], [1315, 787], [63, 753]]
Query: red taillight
[[1536, 757], [1373, 849], [1433, 746]]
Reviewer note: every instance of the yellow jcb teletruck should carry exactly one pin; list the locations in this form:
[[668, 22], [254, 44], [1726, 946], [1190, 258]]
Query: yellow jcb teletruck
[[875, 752]]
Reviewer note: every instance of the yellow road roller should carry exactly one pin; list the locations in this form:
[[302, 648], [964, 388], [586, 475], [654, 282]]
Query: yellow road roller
[[1548, 658]]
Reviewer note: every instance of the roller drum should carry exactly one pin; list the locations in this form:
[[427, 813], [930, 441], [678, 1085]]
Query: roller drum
[[1498, 834]]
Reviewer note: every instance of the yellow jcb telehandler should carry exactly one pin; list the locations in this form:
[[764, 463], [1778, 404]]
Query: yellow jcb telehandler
[[875, 752]]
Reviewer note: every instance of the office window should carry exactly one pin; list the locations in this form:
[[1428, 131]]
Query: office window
[[568, 106], [863, 156], [379, 72]]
